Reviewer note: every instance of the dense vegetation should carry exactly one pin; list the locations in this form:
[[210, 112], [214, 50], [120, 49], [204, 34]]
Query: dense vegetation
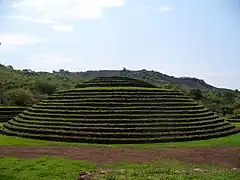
[[115, 115], [26, 87]]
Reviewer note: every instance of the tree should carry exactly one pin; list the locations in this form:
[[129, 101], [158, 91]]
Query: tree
[[46, 88], [10, 67], [229, 96], [61, 71], [18, 97], [28, 71], [196, 94], [212, 107], [1, 93], [226, 110]]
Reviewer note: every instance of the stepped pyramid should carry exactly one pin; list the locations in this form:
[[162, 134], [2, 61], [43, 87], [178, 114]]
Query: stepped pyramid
[[118, 110]]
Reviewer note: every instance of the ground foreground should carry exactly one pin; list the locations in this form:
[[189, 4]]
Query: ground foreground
[[228, 157], [59, 169], [211, 159]]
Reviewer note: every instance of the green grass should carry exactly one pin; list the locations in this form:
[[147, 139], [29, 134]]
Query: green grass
[[59, 169], [233, 140], [1, 124], [168, 170], [237, 125], [42, 169]]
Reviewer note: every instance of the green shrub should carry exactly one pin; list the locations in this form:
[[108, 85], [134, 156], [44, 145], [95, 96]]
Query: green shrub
[[1, 93], [18, 97], [45, 87], [196, 94]]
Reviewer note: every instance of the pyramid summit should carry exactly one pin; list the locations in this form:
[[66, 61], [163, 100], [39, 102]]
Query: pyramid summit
[[118, 110], [115, 81]]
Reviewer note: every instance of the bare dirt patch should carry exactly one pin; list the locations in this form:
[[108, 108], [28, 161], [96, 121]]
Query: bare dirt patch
[[228, 157]]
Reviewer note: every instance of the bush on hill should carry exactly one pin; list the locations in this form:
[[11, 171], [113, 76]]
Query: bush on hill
[[18, 97], [45, 87], [196, 94]]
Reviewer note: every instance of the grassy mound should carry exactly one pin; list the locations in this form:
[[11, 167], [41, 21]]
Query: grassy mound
[[8, 112], [115, 81], [117, 115]]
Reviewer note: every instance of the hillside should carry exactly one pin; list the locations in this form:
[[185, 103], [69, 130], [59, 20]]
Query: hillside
[[153, 77], [40, 84]]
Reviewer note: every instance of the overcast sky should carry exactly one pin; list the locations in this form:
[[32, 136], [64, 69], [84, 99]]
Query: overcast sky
[[197, 38]]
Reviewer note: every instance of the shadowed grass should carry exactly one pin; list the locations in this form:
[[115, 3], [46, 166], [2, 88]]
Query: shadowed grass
[[233, 140], [113, 88]]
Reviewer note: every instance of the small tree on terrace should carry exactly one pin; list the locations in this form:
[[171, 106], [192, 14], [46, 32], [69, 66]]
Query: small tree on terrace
[[1, 93], [196, 94], [226, 110], [229, 96], [46, 88]]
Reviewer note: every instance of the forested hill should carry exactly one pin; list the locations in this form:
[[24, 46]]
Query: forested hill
[[153, 77], [26, 87]]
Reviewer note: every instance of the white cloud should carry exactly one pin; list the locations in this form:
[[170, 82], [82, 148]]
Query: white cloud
[[30, 19], [10, 40], [63, 28], [164, 8], [54, 25], [48, 62], [56, 12], [9, 49]]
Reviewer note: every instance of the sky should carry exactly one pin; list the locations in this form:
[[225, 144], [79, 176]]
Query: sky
[[182, 38]]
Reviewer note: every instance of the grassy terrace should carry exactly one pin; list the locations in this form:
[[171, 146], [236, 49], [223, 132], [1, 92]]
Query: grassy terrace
[[234, 119], [8, 112], [104, 89], [116, 81]]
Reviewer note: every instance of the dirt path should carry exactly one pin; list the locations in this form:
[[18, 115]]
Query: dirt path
[[228, 157]]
